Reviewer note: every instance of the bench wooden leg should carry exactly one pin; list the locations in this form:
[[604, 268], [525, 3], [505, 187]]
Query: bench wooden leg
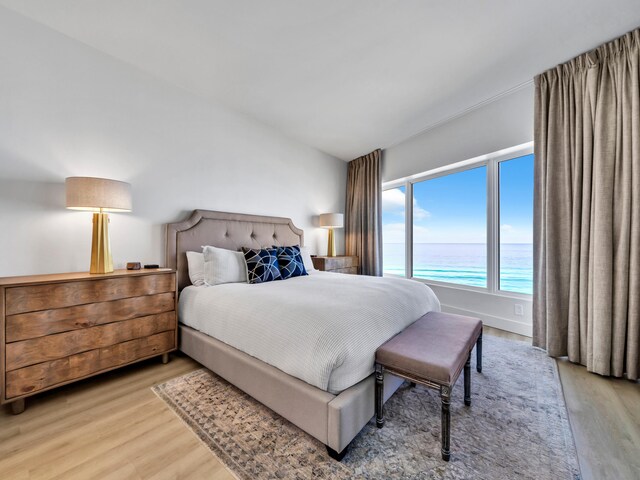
[[479, 353], [467, 381], [445, 396], [379, 396]]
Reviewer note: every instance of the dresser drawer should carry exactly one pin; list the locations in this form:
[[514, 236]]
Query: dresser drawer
[[336, 264], [52, 347], [46, 322], [59, 328], [38, 377], [32, 298], [350, 270]]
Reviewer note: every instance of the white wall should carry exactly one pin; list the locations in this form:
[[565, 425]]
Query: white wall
[[67, 109], [503, 123], [495, 310]]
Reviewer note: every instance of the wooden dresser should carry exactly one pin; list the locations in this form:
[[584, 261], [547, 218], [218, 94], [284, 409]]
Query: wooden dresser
[[56, 329], [339, 264]]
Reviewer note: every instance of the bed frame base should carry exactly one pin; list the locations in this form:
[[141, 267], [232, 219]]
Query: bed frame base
[[332, 419], [335, 455]]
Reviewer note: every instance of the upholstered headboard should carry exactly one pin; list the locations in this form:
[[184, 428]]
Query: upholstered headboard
[[225, 230]]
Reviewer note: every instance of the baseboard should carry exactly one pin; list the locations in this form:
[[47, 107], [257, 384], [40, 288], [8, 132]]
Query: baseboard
[[493, 321]]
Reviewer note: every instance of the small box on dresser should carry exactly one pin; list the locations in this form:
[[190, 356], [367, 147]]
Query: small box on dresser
[[56, 329], [339, 264]]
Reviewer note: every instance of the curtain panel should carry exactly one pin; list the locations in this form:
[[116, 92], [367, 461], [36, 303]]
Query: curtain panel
[[586, 302], [363, 213]]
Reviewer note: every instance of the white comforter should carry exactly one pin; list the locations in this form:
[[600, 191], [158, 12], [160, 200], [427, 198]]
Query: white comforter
[[323, 328]]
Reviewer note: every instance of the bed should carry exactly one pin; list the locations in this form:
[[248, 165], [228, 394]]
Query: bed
[[320, 375]]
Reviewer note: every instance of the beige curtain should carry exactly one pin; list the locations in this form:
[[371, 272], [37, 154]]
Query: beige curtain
[[363, 213], [587, 209]]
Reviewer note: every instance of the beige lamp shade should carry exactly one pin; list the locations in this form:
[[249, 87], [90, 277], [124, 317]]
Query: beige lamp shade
[[332, 220], [95, 194]]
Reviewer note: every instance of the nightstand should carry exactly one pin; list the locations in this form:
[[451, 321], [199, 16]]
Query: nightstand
[[57, 329], [339, 264]]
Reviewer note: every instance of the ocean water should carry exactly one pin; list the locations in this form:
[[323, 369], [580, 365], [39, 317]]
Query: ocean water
[[464, 263]]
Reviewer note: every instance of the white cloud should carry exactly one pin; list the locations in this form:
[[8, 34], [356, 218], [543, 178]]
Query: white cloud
[[419, 213], [451, 234], [393, 201], [393, 233], [421, 234], [512, 234]]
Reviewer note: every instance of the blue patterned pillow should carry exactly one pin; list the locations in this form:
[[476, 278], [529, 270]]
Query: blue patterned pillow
[[290, 262], [262, 265]]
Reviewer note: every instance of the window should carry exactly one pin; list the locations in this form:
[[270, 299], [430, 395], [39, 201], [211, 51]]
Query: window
[[393, 231], [516, 225], [450, 228], [471, 224]]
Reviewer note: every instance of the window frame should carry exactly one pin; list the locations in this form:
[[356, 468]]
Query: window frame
[[406, 228], [492, 163]]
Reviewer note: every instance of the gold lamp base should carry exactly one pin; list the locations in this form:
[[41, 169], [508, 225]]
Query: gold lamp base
[[101, 261], [331, 246]]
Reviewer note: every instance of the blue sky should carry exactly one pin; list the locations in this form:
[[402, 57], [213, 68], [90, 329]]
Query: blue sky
[[516, 200], [452, 208]]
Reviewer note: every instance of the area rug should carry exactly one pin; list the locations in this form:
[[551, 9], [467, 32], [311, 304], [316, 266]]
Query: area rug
[[516, 427]]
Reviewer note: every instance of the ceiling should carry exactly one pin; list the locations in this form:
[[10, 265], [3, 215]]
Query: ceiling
[[344, 76]]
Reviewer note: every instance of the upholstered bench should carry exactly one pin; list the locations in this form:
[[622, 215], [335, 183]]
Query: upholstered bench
[[432, 352]]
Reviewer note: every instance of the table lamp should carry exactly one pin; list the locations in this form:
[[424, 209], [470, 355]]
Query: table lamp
[[99, 195], [331, 221]]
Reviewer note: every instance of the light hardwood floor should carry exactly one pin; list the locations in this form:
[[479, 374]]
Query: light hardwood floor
[[605, 419], [114, 427], [109, 427]]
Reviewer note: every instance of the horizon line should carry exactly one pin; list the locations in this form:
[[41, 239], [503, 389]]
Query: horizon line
[[456, 243]]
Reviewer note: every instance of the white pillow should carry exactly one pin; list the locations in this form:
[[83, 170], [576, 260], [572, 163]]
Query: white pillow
[[195, 264], [223, 266], [306, 258]]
